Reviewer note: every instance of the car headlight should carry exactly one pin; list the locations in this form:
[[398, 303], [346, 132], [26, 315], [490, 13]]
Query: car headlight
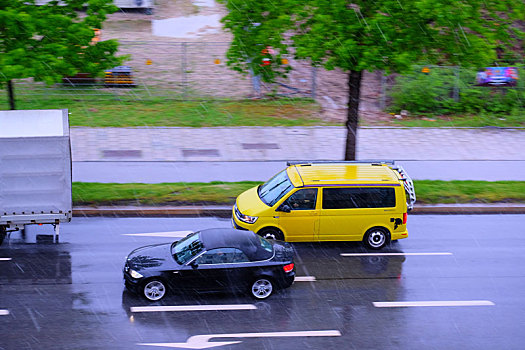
[[248, 219], [243, 217], [135, 274]]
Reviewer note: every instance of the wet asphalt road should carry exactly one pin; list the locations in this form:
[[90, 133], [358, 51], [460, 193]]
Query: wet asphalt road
[[71, 296]]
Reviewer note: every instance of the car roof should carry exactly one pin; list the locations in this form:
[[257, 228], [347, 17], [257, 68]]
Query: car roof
[[247, 241], [341, 174]]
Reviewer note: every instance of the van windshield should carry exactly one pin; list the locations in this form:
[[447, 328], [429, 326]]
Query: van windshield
[[275, 188]]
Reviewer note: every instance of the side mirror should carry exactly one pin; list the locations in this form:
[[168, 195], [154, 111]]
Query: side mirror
[[284, 207], [194, 264]]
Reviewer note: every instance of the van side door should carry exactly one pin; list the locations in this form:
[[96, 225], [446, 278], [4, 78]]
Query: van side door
[[301, 223]]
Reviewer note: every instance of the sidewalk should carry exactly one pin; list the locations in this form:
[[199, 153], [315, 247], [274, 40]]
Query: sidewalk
[[294, 143]]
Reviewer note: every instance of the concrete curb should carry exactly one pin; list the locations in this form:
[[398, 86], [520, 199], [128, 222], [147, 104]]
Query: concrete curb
[[226, 211]]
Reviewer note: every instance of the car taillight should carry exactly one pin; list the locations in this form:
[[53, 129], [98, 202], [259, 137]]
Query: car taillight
[[288, 268], [405, 217]]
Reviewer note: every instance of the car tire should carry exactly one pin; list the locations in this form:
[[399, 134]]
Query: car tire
[[154, 289], [261, 288], [2, 234], [376, 238], [271, 233]]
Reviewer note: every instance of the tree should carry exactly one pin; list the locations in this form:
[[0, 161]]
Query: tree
[[51, 41], [388, 35]]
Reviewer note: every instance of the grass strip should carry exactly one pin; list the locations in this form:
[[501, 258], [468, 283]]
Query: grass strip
[[106, 110], [224, 193]]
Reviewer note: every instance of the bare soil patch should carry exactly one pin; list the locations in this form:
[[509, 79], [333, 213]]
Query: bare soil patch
[[193, 66]]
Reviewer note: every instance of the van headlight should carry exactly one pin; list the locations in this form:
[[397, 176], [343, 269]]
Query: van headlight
[[243, 217], [135, 274]]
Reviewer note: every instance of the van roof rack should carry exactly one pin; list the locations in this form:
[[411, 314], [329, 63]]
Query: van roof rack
[[364, 161], [407, 181]]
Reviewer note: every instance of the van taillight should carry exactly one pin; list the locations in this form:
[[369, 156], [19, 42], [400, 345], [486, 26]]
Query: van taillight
[[405, 217], [288, 268]]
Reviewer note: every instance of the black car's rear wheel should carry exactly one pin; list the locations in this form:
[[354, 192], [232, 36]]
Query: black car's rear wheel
[[154, 289], [262, 288], [271, 233]]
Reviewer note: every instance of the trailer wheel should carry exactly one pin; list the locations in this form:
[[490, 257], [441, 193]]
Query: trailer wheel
[[2, 234]]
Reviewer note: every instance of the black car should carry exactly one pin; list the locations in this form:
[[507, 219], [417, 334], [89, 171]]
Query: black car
[[211, 260]]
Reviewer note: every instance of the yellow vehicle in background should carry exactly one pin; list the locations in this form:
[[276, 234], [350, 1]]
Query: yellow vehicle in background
[[364, 201]]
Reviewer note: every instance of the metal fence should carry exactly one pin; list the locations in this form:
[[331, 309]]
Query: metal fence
[[180, 70], [198, 70]]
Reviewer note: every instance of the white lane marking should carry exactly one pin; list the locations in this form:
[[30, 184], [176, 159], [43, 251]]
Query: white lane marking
[[5, 259], [202, 341], [4, 312], [391, 254], [193, 308], [305, 279], [433, 303], [174, 234]]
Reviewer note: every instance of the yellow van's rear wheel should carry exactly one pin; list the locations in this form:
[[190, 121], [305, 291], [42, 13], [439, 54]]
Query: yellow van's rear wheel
[[376, 238], [271, 233]]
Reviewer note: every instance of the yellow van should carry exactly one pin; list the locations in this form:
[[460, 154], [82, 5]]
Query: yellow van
[[330, 201]]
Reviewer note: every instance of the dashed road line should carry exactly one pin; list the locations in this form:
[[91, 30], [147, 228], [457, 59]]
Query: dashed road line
[[305, 279], [5, 259], [193, 308], [393, 254], [173, 234], [433, 303], [4, 312]]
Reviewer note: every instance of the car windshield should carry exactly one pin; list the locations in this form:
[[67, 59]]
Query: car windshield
[[266, 245], [275, 188], [188, 247]]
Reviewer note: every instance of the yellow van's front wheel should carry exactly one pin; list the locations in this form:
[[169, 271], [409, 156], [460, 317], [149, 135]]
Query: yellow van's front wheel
[[271, 233], [376, 238]]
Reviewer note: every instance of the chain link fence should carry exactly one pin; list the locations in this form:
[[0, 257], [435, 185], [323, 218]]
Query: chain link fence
[[178, 70], [198, 71]]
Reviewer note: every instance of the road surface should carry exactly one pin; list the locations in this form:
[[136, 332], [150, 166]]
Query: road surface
[[457, 282]]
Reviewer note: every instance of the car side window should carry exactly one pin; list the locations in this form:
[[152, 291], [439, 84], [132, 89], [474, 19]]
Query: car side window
[[222, 256], [303, 199]]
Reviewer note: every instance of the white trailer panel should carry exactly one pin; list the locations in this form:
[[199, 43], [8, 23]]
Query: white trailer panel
[[35, 167]]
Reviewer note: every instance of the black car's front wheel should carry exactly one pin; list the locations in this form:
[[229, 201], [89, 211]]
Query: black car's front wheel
[[154, 289], [262, 288]]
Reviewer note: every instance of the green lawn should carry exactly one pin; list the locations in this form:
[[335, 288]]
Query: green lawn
[[224, 193], [97, 108]]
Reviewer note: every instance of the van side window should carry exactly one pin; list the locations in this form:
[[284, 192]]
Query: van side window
[[303, 199], [360, 197]]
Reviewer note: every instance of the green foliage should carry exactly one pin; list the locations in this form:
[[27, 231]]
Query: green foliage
[[54, 40], [369, 35], [434, 93]]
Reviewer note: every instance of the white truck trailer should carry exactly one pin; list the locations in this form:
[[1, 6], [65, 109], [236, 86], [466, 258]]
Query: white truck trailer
[[146, 6], [35, 169]]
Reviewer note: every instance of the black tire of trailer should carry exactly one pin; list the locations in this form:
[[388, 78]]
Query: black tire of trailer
[[2, 234]]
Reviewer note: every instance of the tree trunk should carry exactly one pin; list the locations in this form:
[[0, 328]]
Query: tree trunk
[[11, 94], [354, 87]]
